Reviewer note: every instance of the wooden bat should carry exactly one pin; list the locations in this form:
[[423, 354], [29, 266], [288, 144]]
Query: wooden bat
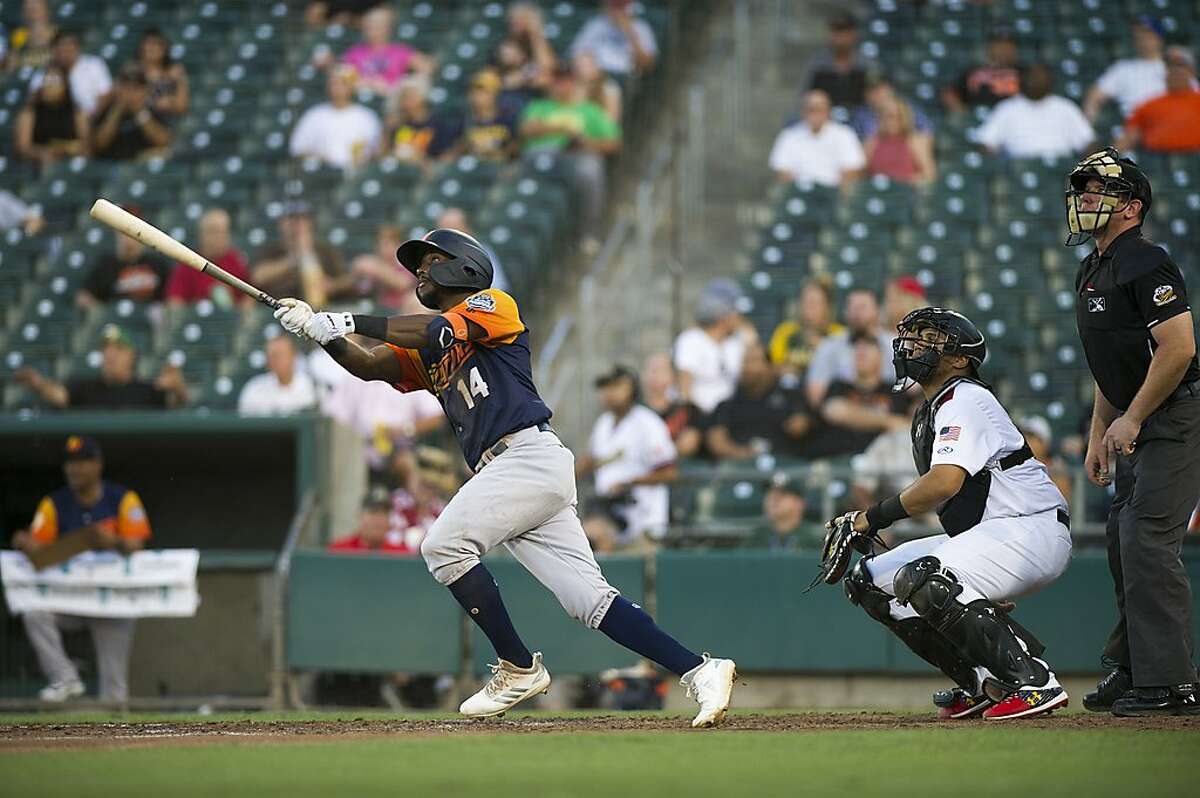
[[125, 222]]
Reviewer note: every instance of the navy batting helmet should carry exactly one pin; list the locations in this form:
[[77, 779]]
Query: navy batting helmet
[[468, 264], [957, 335]]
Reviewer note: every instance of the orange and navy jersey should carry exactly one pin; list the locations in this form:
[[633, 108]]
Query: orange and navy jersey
[[119, 510], [485, 386]]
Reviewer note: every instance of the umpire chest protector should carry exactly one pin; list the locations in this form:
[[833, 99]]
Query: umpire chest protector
[[964, 509]]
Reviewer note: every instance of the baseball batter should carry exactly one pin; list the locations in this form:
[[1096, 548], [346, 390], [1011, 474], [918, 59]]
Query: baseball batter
[[473, 354], [1007, 532]]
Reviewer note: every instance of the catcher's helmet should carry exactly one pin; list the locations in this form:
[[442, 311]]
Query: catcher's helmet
[[957, 335], [1121, 181], [468, 266]]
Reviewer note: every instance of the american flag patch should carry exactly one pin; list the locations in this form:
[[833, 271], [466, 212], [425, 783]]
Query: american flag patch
[[949, 433]]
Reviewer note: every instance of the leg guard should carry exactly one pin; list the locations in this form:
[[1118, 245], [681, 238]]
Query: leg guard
[[978, 630], [916, 633]]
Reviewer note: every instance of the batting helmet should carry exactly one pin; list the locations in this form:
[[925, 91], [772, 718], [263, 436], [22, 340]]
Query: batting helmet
[[958, 336], [468, 266], [1120, 179]]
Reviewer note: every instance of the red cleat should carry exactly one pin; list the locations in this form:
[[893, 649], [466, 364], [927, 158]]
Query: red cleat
[[1027, 703], [957, 704]]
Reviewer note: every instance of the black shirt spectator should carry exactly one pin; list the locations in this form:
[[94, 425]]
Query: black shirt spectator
[[990, 82], [855, 411], [764, 415], [166, 78], [51, 125], [127, 125], [132, 272], [488, 131], [839, 70]]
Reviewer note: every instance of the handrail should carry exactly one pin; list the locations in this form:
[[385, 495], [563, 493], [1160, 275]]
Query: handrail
[[283, 569]]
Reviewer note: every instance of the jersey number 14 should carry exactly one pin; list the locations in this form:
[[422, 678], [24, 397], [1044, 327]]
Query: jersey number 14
[[477, 388]]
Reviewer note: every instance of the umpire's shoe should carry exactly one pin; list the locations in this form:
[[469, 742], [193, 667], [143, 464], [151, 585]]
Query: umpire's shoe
[[508, 687], [711, 684], [1118, 682], [1143, 701]]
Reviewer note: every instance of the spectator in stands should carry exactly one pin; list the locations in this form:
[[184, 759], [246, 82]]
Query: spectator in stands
[[795, 340], [117, 387], [187, 285], [834, 356], [765, 415], [566, 123], [170, 94], [32, 42], [421, 480], [455, 218], [1170, 122], [283, 390], [623, 45], [524, 58], [1132, 81], [857, 411], [597, 86], [298, 265], [127, 124], [319, 13], [708, 356], [660, 394], [130, 271], [374, 533], [880, 95], [839, 69], [886, 466], [15, 212], [903, 295], [417, 135], [50, 126], [1040, 438], [380, 62], [115, 515], [383, 417], [377, 275], [785, 527], [339, 132], [898, 150], [1036, 123], [487, 131], [88, 75], [996, 79], [633, 460], [817, 149]]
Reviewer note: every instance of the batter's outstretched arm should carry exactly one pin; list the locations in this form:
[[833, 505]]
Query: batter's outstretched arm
[[376, 363]]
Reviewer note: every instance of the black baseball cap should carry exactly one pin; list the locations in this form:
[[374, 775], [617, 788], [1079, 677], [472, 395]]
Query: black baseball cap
[[377, 498], [81, 447], [617, 372], [787, 483]]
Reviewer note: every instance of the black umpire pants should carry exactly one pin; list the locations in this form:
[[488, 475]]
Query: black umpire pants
[[1157, 487]]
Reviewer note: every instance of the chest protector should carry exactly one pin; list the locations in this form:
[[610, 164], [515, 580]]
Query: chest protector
[[964, 509]]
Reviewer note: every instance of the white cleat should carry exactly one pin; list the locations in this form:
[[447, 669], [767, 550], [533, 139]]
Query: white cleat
[[711, 684], [58, 692], [508, 687]]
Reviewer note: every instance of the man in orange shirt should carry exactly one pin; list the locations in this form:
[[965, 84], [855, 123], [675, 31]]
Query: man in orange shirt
[[1169, 122], [119, 520]]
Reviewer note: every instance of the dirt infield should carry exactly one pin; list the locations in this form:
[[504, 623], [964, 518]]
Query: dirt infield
[[33, 736]]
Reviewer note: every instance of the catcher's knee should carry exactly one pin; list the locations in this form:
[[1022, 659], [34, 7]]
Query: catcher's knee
[[930, 589], [862, 591]]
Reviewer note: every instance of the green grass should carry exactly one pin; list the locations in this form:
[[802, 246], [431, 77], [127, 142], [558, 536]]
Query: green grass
[[957, 761]]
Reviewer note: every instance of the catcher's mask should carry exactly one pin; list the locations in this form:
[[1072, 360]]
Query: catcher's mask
[[925, 336], [1120, 182]]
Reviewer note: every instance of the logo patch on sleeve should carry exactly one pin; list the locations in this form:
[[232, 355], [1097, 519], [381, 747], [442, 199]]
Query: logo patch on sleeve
[[1163, 295], [482, 302], [949, 433]]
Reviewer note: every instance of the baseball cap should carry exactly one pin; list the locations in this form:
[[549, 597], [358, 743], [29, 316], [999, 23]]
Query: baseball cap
[[1036, 425], [1180, 54], [378, 498], [910, 285], [785, 482], [80, 447], [486, 79], [843, 20], [617, 372], [1151, 22], [112, 334], [296, 208]]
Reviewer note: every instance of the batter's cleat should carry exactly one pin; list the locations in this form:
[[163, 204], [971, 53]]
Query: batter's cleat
[[957, 704], [58, 692], [1118, 682], [711, 684], [1141, 702], [1027, 703], [508, 687]]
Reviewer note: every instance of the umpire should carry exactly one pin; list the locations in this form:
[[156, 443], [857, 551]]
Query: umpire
[[1133, 316]]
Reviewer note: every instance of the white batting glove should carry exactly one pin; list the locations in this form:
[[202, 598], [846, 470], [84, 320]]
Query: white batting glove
[[325, 327], [293, 314]]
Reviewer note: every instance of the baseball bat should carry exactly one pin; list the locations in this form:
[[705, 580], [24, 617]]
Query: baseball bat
[[125, 222]]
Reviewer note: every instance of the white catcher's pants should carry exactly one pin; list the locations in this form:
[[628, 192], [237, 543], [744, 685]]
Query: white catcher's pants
[[524, 500]]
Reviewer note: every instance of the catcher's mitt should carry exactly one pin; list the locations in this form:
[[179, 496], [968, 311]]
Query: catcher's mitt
[[840, 538]]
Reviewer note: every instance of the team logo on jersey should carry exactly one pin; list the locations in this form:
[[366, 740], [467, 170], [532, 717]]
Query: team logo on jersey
[[1095, 304], [945, 450], [446, 338], [949, 433], [483, 302], [1163, 295]]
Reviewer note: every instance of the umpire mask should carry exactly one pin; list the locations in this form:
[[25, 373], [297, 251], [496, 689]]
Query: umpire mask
[[1114, 181], [925, 335]]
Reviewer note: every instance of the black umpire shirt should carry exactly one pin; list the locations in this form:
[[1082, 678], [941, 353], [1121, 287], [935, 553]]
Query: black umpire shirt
[[1119, 297]]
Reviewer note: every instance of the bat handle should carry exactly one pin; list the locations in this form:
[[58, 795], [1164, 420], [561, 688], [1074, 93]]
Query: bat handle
[[267, 300]]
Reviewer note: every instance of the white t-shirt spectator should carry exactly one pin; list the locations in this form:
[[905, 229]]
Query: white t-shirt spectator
[[1024, 128], [90, 80], [1132, 81], [714, 366], [371, 406], [338, 136], [820, 157], [603, 39], [265, 395], [629, 448]]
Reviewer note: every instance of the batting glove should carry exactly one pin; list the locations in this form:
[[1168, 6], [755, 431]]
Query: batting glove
[[326, 327], [293, 314]]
